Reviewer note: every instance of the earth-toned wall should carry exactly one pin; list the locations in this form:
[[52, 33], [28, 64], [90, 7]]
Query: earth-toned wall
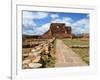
[[58, 30]]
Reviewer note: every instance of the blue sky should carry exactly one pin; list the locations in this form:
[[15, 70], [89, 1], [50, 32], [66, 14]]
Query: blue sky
[[37, 23]]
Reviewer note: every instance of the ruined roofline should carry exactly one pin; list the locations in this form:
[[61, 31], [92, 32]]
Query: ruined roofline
[[67, 26], [57, 23], [60, 24], [58, 30]]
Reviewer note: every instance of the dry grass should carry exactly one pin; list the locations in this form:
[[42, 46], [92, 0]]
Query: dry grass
[[83, 52], [76, 42]]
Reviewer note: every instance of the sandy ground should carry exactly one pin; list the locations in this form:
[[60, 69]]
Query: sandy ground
[[66, 57]]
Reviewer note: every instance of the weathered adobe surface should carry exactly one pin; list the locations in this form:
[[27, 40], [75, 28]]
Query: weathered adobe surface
[[58, 30]]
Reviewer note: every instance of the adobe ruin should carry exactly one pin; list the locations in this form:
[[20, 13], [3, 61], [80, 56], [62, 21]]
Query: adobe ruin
[[58, 30]]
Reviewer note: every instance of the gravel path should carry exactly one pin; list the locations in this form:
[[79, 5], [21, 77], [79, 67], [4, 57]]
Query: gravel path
[[66, 57]]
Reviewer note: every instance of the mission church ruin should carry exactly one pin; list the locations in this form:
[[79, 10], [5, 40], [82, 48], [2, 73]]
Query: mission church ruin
[[58, 30]]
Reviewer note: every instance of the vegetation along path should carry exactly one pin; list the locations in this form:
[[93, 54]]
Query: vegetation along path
[[65, 56]]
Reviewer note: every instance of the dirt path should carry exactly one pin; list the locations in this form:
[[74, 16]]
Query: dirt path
[[66, 57]]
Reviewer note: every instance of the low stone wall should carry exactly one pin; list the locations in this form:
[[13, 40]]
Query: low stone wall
[[39, 56]]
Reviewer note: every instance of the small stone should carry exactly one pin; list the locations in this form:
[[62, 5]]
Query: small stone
[[38, 47], [25, 66], [37, 59], [25, 54], [31, 58], [26, 61], [33, 50], [46, 52], [35, 65], [31, 54], [36, 53]]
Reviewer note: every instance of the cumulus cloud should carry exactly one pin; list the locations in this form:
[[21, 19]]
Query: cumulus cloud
[[28, 20], [54, 16], [38, 30], [29, 16], [67, 20], [28, 32], [34, 15], [41, 30], [88, 16], [29, 24], [31, 28], [81, 26]]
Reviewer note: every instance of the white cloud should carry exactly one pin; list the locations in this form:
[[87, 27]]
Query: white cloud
[[29, 32], [29, 25], [45, 27], [67, 20], [81, 26], [28, 22], [42, 29], [54, 16], [38, 30], [88, 16], [40, 15], [28, 17], [34, 15], [81, 22]]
